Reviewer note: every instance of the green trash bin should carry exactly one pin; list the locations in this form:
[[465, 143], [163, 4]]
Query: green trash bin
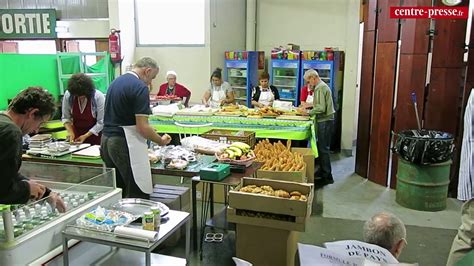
[[422, 187]]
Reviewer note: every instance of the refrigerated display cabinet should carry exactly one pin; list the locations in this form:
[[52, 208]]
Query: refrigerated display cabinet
[[285, 75], [31, 230], [241, 71]]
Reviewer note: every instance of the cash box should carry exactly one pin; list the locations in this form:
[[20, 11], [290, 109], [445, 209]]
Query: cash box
[[215, 172]]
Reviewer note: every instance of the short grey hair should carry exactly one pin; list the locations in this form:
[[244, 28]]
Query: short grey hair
[[310, 73], [145, 62], [385, 230]]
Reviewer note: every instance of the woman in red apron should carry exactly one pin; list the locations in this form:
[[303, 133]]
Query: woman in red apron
[[83, 110]]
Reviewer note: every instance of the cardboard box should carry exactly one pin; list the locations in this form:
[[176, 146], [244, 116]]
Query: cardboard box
[[294, 176], [262, 203], [299, 224], [266, 246], [308, 158]]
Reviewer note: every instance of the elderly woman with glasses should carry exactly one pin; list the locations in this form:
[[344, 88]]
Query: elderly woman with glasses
[[171, 87]]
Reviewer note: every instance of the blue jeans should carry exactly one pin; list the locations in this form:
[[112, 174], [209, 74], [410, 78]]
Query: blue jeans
[[323, 133]]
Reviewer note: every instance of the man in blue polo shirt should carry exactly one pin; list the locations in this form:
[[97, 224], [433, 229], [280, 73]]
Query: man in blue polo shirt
[[127, 107]]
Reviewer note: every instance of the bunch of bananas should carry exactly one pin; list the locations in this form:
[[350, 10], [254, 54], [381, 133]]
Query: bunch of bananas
[[237, 151]]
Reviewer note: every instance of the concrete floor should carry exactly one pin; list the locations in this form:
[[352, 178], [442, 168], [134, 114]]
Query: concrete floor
[[339, 212]]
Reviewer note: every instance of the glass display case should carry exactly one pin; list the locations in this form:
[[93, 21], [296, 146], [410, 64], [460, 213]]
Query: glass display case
[[285, 75], [241, 71], [31, 230]]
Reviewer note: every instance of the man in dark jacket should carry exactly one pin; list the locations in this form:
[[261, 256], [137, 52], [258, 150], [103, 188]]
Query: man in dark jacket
[[25, 114]]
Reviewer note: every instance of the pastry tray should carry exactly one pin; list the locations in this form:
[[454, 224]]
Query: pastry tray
[[137, 206]]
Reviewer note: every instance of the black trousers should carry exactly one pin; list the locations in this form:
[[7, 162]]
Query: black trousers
[[323, 133], [114, 152]]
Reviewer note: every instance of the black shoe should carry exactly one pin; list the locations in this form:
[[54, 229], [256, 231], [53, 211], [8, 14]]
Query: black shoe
[[328, 181], [317, 174]]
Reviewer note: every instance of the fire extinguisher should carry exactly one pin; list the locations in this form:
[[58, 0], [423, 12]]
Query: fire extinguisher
[[114, 46]]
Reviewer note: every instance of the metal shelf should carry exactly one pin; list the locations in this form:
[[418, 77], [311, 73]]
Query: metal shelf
[[82, 68], [285, 86], [238, 77], [239, 87], [286, 77]]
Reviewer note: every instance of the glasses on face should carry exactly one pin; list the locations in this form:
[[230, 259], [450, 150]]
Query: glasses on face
[[404, 240]]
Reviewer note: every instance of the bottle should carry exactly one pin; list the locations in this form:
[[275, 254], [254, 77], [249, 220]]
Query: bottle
[[157, 216], [148, 221]]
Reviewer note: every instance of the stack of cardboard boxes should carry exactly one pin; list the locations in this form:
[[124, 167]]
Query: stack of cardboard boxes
[[267, 226]]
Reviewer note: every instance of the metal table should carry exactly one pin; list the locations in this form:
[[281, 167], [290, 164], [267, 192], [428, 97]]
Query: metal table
[[232, 181], [176, 220]]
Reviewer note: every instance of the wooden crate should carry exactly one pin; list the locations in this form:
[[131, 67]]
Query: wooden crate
[[293, 176], [229, 136], [296, 224], [298, 210]]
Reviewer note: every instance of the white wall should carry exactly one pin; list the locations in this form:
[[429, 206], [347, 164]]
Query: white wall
[[91, 28], [121, 16], [314, 25], [227, 29], [351, 92], [224, 30]]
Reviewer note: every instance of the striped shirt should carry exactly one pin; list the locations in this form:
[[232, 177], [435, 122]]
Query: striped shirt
[[466, 169]]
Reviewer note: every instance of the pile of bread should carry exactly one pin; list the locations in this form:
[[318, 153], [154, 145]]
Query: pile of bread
[[269, 191], [278, 157]]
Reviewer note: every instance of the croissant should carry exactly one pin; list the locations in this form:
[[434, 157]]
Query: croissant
[[295, 193], [246, 189], [282, 194], [267, 188]]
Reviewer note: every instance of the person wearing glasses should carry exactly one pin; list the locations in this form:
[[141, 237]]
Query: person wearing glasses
[[126, 129], [319, 105], [171, 87], [386, 230]]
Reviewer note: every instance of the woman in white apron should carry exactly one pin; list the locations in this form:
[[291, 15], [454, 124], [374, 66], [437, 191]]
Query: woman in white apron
[[307, 96], [265, 94], [219, 93]]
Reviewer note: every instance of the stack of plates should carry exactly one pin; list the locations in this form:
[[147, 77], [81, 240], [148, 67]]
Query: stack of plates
[[40, 141]]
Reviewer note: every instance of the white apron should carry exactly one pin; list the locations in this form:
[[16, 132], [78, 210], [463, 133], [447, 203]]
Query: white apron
[[138, 152], [310, 98], [216, 98], [266, 97]]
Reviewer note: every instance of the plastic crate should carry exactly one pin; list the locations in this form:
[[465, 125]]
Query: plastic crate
[[229, 136]]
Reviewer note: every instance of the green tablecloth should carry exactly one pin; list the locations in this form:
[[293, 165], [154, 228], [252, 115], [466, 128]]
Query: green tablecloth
[[264, 128]]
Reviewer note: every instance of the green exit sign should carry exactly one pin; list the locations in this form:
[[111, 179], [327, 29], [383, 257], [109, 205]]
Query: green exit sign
[[27, 23]]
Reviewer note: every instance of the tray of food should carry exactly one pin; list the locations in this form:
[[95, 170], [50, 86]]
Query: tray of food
[[105, 219], [137, 206]]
